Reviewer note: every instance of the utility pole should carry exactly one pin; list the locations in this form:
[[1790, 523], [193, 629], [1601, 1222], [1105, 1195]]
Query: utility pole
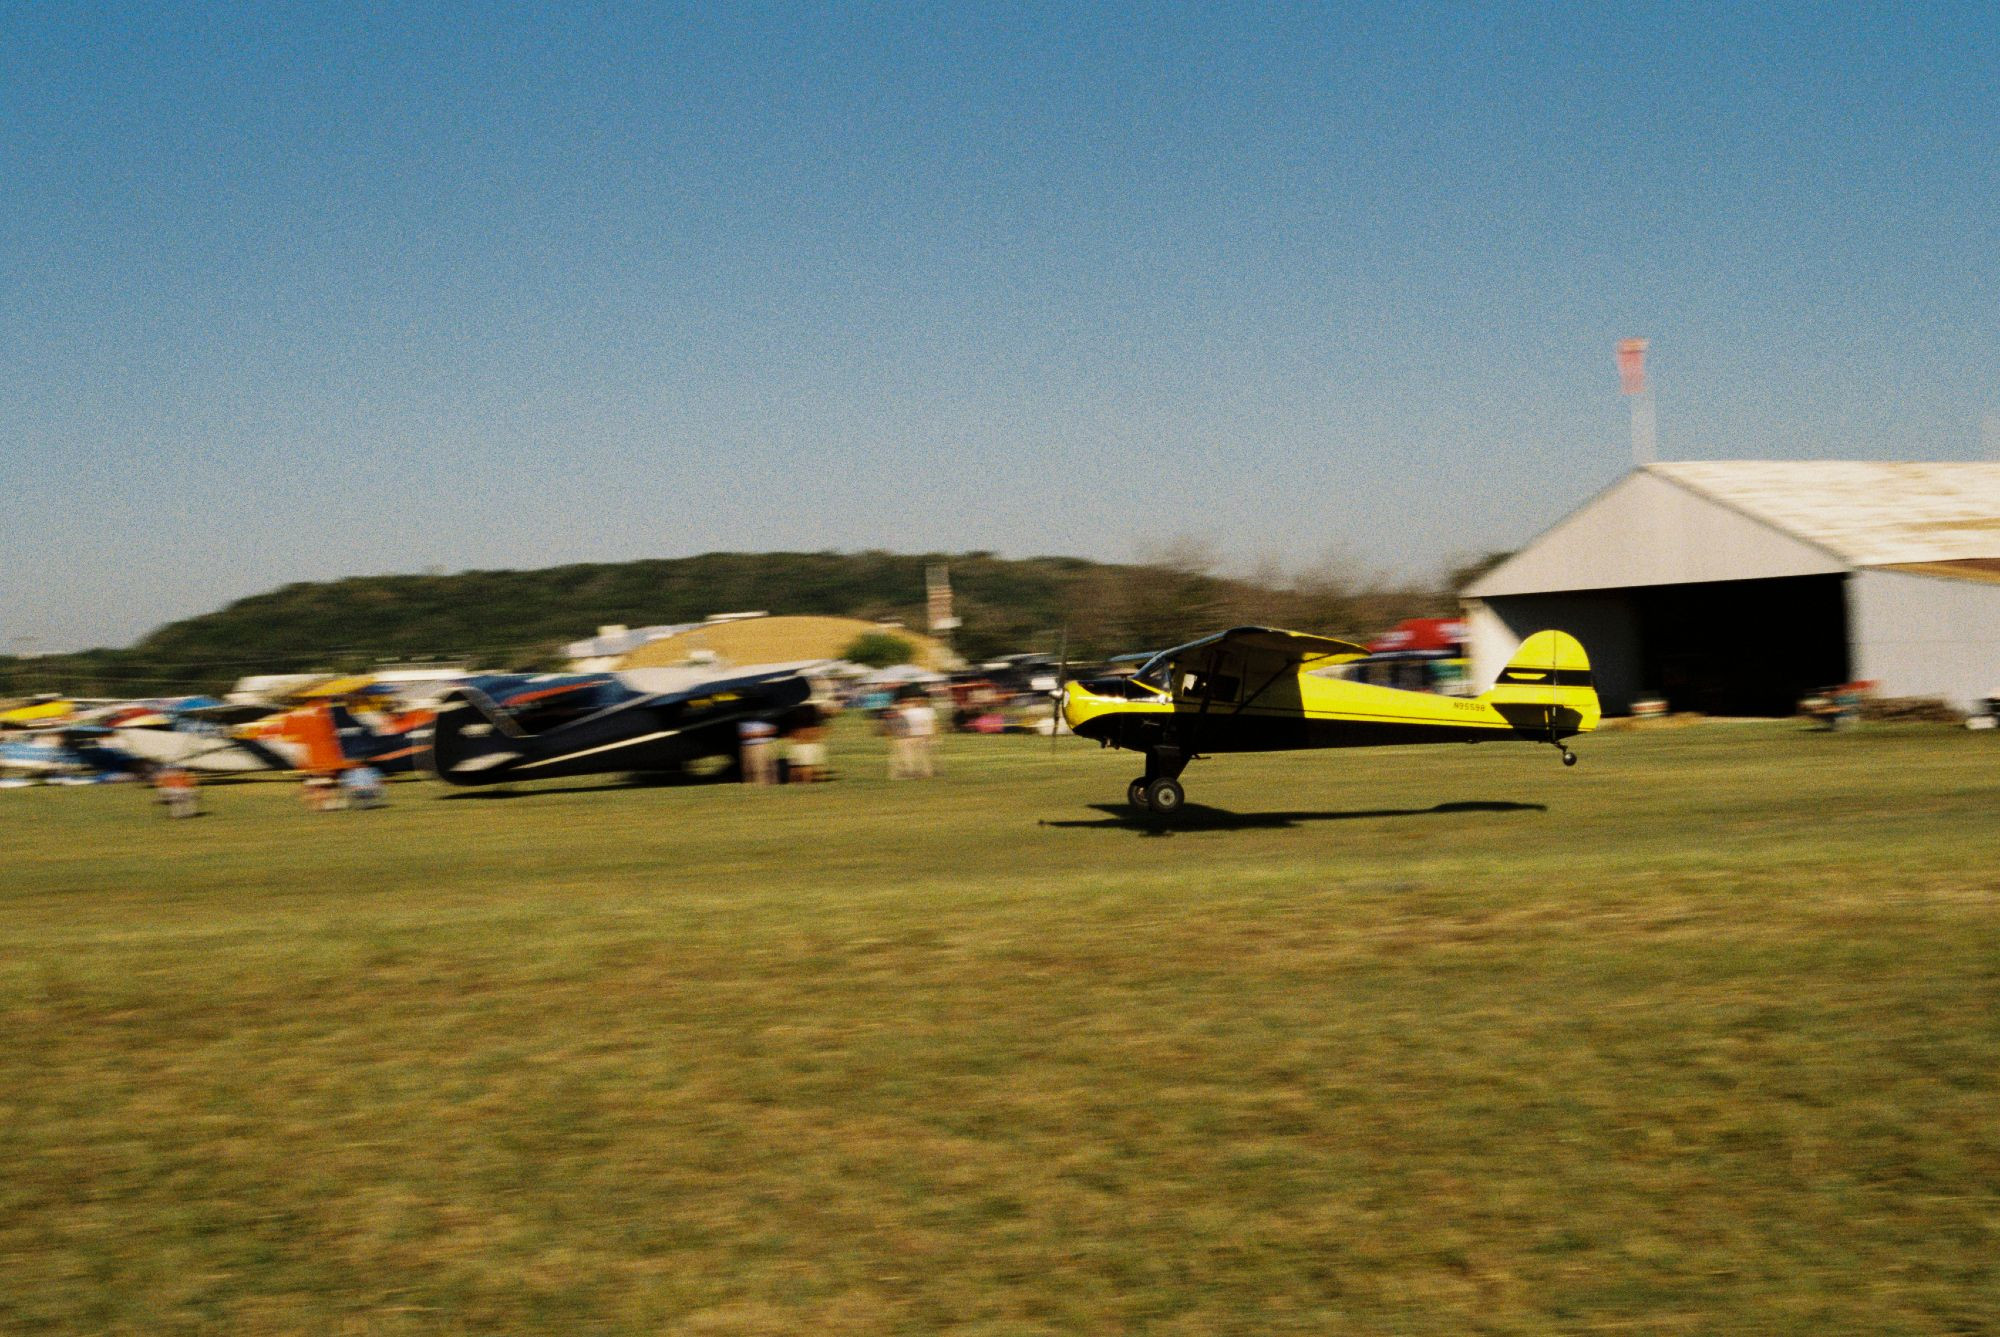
[[937, 604], [1632, 383]]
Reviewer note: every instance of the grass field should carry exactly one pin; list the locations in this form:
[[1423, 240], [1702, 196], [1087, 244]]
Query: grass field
[[1701, 1036]]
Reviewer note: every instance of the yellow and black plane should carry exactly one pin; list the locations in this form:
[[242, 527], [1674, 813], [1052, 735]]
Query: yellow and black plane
[[1258, 689]]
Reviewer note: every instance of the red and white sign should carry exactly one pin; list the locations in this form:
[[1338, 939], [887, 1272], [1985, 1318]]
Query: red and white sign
[[1433, 634]]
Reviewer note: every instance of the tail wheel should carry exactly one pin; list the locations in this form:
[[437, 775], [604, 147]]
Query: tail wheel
[[1135, 793], [1165, 796], [1569, 757]]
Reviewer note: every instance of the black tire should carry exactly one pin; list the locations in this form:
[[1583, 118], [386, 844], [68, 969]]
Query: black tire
[[1135, 793], [1569, 758], [1165, 796]]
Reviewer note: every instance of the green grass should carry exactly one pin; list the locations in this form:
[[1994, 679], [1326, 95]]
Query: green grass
[[1701, 1036]]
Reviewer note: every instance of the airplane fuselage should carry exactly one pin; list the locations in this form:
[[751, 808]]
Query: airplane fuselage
[[1319, 712]]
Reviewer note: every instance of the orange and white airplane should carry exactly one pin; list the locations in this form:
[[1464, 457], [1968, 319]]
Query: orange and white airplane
[[1259, 689]]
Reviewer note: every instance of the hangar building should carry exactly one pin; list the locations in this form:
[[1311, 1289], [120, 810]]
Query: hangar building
[[1736, 587], [761, 639]]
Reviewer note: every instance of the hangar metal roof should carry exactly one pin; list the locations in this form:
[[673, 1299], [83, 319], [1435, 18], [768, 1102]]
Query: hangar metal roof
[[1711, 520], [1868, 514]]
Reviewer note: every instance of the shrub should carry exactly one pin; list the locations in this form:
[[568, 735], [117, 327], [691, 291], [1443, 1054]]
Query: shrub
[[879, 649]]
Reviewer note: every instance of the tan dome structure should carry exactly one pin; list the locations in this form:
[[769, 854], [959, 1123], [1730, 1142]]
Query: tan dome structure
[[779, 640]]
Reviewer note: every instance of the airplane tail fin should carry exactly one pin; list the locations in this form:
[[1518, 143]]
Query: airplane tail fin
[[313, 728], [470, 736], [390, 743], [1547, 689]]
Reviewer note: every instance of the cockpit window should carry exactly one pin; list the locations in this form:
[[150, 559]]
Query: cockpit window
[[1213, 686], [1158, 673], [1126, 689]]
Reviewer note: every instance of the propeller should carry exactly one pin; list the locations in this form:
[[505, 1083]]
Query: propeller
[[1056, 701]]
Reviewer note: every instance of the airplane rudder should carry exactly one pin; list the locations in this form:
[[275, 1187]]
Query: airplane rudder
[[1550, 667], [458, 711], [319, 731], [1551, 650]]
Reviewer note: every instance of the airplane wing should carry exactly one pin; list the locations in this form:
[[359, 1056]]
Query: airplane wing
[[37, 713], [353, 684], [735, 680], [1295, 647], [1302, 647], [227, 713]]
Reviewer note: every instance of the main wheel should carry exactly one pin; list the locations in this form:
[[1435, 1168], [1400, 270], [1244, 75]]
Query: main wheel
[[1165, 796], [1135, 793]]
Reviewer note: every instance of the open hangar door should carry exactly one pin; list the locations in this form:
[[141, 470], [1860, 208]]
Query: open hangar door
[[1726, 647], [1741, 647]]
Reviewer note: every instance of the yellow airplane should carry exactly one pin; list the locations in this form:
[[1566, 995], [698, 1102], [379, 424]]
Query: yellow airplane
[[1258, 689], [42, 710]]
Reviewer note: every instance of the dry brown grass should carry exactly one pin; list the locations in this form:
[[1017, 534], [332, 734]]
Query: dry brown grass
[[1699, 1037]]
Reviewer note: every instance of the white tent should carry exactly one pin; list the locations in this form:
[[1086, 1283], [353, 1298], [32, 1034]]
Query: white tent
[[897, 675]]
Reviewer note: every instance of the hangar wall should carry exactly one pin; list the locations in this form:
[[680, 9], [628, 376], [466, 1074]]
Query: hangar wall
[[1926, 635]]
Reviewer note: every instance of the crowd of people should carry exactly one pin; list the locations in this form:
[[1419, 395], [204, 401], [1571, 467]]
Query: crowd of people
[[792, 748], [356, 787], [178, 789]]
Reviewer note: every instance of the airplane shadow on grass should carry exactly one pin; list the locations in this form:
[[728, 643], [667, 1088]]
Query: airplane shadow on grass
[[1200, 817], [609, 783]]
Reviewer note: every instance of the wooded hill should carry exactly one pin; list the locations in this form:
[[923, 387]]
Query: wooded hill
[[519, 619]]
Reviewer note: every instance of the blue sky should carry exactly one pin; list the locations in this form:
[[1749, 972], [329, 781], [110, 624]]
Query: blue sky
[[293, 292]]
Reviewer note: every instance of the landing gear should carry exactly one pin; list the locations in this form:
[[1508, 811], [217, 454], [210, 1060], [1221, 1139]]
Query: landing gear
[[1159, 789], [1165, 795], [1569, 757]]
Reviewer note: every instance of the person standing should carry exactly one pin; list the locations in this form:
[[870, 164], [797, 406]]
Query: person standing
[[805, 758], [313, 791], [920, 726], [896, 729], [178, 791], [363, 786], [756, 739]]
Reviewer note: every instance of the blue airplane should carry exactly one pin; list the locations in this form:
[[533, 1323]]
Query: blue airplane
[[78, 752]]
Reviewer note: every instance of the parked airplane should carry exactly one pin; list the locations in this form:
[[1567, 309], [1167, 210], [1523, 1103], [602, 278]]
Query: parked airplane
[[497, 728], [48, 708], [329, 735], [198, 734], [1258, 689], [216, 737], [79, 752]]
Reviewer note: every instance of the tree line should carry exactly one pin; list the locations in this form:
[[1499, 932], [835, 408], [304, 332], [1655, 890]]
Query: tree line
[[521, 619]]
